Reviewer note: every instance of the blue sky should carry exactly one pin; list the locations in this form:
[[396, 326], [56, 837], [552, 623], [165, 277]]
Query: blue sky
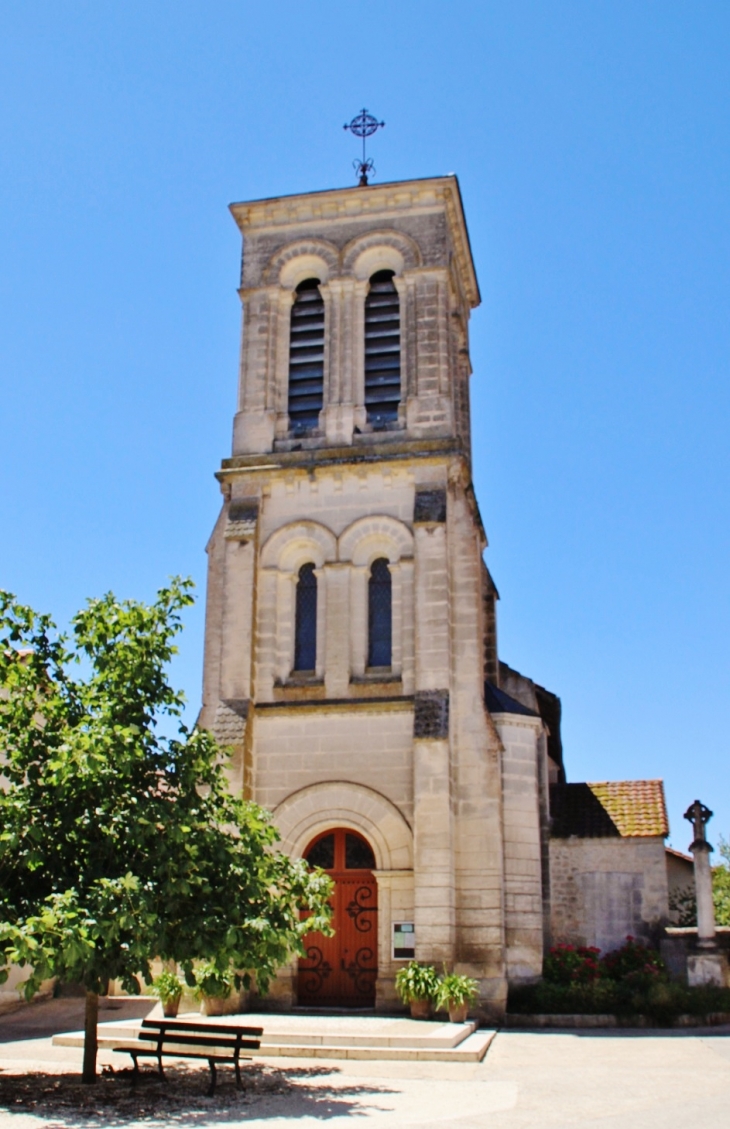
[[590, 140]]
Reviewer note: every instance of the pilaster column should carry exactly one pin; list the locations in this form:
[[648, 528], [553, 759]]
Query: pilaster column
[[434, 889], [338, 407], [358, 619], [336, 669], [356, 347], [279, 385], [322, 621], [253, 428], [408, 671], [236, 621], [286, 584], [396, 661], [265, 628], [431, 613]]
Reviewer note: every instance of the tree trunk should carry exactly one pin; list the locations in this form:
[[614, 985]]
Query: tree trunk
[[90, 1037]]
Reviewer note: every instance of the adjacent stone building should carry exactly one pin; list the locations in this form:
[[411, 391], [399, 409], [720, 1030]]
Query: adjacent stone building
[[351, 655]]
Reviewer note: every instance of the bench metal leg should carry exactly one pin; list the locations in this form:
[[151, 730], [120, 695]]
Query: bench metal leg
[[239, 1083], [211, 1064]]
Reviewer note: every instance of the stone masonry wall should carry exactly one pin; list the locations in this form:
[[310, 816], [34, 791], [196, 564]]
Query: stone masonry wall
[[606, 889]]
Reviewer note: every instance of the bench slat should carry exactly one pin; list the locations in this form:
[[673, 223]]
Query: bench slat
[[204, 1028], [143, 1052], [200, 1041]]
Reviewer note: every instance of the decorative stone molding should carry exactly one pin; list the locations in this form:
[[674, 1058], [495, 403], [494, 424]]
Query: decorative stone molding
[[431, 716], [430, 506], [229, 725], [305, 258], [338, 803], [294, 545], [371, 537], [380, 250], [243, 515]]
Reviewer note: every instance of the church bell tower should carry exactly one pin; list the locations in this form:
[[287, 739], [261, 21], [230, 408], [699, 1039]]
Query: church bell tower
[[350, 622]]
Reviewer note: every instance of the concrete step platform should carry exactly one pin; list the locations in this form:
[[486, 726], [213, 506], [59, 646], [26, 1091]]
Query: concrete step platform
[[334, 1037]]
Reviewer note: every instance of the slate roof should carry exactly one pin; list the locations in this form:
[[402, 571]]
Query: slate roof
[[614, 808], [497, 701]]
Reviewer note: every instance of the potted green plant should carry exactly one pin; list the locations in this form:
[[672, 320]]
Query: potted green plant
[[455, 994], [417, 985], [213, 988], [168, 987]]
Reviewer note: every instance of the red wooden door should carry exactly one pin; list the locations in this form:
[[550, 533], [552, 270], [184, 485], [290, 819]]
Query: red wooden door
[[340, 971]]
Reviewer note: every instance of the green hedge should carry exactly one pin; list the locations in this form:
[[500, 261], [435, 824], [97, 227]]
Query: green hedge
[[661, 1002]]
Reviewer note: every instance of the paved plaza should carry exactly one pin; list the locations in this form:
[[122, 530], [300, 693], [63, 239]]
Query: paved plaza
[[606, 1080]]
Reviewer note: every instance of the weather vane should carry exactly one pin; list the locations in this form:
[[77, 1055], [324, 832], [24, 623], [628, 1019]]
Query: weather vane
[[363, 125]]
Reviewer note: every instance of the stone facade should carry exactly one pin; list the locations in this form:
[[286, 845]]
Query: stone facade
[[603, 890], [448, 785]]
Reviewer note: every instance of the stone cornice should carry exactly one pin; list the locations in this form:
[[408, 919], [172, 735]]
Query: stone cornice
[[376, 201], [516, 721], [356, 455]]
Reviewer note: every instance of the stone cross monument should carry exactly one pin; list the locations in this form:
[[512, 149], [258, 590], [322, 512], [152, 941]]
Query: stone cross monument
[[708, 966]]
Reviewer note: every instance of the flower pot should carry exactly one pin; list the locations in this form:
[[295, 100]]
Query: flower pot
[[171, 1007], [420, 1009], [213, 1005], [458, 1013]]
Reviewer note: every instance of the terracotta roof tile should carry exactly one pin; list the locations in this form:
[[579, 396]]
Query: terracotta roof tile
[[626, 808], [636, 806]]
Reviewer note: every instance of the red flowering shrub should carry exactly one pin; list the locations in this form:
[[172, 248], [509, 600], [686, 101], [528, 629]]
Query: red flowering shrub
[[635, 964], [573, 964]]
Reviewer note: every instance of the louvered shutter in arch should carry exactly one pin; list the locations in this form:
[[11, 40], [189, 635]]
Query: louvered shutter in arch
[[380, 614], [306, 357], [305, 623], [382, 350]]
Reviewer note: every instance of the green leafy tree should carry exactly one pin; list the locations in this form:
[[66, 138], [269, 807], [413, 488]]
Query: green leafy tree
[[721, 884], [684, 901], [119, 843]]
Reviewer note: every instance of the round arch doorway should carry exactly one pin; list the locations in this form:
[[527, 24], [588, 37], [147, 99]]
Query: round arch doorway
[[340, 971]]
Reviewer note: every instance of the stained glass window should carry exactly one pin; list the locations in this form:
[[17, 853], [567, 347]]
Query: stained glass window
[[322, 853], [358, 854], [305, 636], [380, 614]]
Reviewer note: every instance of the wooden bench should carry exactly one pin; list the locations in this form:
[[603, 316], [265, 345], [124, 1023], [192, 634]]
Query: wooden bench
[[179, 1038]]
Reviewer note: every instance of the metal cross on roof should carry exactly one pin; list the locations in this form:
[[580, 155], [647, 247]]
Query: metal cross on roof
[[363, 125]]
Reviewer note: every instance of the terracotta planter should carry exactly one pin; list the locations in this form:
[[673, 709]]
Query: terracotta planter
[[420, 1009], [458, 1013], [170, 1009], [213, 1005]]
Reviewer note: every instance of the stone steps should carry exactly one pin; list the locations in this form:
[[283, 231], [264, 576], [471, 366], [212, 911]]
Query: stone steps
[[329, 1037]]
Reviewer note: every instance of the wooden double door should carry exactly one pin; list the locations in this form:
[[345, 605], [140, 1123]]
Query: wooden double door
[[340, 971]]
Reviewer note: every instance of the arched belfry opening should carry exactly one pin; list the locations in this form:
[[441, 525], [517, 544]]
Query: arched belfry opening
[[340, 971], [382, 350], [306, 357]]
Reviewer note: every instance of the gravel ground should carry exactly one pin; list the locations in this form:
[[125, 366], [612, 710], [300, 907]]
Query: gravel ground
[[529, 1080]]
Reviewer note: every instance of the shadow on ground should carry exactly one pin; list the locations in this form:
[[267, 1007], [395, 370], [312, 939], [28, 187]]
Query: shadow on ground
[[181, 1098], [51, 1017]]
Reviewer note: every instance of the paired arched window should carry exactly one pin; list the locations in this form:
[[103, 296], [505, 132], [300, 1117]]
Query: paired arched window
[[380, 614], [382, 350], [306, 357], [382, 354], [305, 629]]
